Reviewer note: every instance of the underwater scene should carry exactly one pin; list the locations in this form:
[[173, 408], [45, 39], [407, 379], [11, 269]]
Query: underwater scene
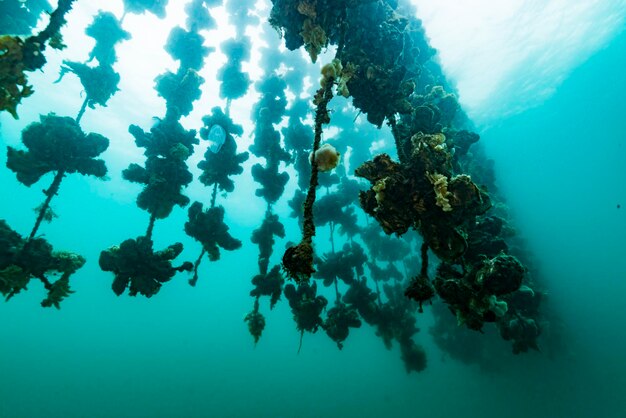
[[313, 208]]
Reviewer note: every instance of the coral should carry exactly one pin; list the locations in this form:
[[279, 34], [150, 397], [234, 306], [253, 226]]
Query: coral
[[188, 48], [523, 331], [340, 319], [346, 75], [363, 300], [446, 103], [208, 227], [179, 90], [402, 197], [198, 16], [235, 82], [414, 356], [240, 15], [420, 290], [256, 322], [393, 201], [58, 291], [107, 32], [473, 295], [485, 238], [312, 23], [264, 238], [167, 145], [341, 264], [314, 38], [267, 142], [307, 8], [306, 306], [57, 144], [462, 141], [22, 260], [20, 17], [330, 72], [163, 180], [268, 284], [440, 186], [164, 137], [334, 72], [381, 83], [272, 181], [383, 61], [501, 275], [379, 274], [100, 83], [138, 268], [13, 81], [336, 209], [498, 307], [20, 56]]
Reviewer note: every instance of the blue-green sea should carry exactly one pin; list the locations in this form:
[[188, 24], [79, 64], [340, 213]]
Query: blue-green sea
[[560, 167]]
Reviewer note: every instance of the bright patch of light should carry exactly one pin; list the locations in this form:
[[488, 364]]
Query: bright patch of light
[[507, 56]]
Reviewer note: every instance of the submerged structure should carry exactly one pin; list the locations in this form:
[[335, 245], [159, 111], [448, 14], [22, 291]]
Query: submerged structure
[[416, 223]]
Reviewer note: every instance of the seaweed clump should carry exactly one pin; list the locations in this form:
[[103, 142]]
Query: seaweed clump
[[156, 7], [383, 62], [19, 56], [256, 322], [306, 306], [208, 227], [235, 82], [221, 161], [167, 146], [57, 144], [139, 268], [22, 260], [313, 24], [54, 145], [423, 194], [340, 319], [267, 112], [100, 83], [20, 17]]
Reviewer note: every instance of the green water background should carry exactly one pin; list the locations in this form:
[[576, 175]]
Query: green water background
[[187, 353]]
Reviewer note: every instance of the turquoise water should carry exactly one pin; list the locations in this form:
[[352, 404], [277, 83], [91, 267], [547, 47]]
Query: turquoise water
[[187, 353]]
